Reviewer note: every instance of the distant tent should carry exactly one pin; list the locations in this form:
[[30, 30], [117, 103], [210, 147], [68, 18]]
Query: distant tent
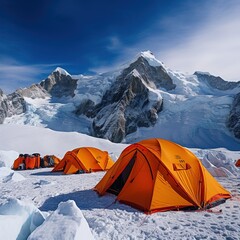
[[26, 161], [19, 163], [159, 175], [237, 164], [84, 159], [50, 161]]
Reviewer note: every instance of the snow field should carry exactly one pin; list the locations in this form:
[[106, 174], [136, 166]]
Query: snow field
[[109, 220], [36, 203]]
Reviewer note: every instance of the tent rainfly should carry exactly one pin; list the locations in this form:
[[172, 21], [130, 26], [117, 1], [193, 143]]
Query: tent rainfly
[[50, 161], [158, 175], [84, 159]]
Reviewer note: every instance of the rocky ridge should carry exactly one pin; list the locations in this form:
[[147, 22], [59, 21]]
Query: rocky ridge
[[131, 99], [11, 104], [233, 121]]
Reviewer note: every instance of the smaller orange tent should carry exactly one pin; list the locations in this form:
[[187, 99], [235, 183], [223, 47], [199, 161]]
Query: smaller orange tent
[[37, 160], [30, 161], [19, 163], [50, 161], [26, 161], [85, 159], [237, 164]]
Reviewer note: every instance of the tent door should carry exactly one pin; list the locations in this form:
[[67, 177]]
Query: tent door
[[118, 184]]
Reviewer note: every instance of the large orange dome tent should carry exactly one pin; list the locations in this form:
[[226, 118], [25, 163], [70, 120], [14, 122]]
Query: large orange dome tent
[[159, 175], [86, 159]]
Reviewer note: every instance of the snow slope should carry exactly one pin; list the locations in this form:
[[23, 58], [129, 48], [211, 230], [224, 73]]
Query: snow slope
[[55, 206], [193, 115], [181, 122], [29, 139]]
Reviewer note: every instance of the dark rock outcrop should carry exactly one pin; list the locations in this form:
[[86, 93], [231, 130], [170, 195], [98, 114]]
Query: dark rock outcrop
[[12, 104], [233, 122], [124, 107], [34, 91], [150, 74], [216, 82], [59, 84], [86, 107]]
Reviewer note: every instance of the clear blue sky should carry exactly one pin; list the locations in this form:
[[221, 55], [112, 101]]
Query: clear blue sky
[[89, 36]]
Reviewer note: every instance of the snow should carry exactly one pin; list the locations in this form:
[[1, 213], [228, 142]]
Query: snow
[[61, 71], [203, 73], [6, 174], [69, 219], [148, 55], [192, 120], [6, 158], [39, 204], [46, 205], [193, 114], [30, 139], [18, 219], [93, 87], [135, 73]]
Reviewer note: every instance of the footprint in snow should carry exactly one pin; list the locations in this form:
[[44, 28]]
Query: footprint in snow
[[42, 183]]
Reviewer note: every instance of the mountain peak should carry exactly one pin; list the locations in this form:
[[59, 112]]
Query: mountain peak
[[147, 54], [61, 71], [152, 60], [202, 73]]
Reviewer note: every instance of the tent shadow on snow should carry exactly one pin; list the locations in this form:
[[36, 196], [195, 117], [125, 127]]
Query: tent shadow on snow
[[86, 200], [47, 173]]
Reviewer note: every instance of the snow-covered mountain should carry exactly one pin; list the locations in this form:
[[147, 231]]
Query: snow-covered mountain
[[141, 99]]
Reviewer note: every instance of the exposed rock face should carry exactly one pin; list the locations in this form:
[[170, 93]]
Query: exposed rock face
[[124, 107], [2, 112], [12, 104], [216, 82], [233, 122], [152, 75], [129, 103], [35, 91], [59, 84], [86, 108]]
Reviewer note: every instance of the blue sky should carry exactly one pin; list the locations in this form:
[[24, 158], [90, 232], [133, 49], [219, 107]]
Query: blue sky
[[84, 37]]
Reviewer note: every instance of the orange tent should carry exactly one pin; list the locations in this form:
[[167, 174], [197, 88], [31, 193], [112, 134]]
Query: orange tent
[[37, 160], [158, 175], [237, 164], [85, 159], [30, 161], [26, 161], [19, 163], [50, 161]]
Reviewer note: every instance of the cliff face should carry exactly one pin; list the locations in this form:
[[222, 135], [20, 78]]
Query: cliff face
[[125, 107], [12, 104], [34, 91], [130, 102], [59, 84], [233, 122], [217, 82]]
